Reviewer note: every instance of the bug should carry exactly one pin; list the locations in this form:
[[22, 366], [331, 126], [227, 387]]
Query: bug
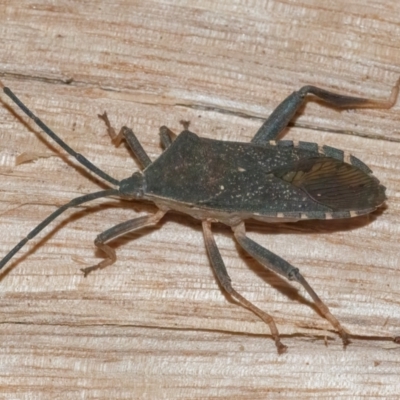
[[267, 179]]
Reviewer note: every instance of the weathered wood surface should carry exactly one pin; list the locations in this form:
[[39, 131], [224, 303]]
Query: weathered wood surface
[[155, 325]]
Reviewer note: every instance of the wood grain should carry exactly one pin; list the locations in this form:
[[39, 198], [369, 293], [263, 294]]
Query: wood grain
[[156, 325]]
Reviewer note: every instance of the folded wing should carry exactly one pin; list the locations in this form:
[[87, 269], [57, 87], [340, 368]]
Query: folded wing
[[334, 184]]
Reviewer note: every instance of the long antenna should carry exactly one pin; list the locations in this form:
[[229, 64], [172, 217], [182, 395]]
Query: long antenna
[[73, 203], [79, 157]]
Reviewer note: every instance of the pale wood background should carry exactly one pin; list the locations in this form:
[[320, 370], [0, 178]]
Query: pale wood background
[[155, 325]]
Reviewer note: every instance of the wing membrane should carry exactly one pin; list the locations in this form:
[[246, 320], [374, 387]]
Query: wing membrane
[[334, 183]]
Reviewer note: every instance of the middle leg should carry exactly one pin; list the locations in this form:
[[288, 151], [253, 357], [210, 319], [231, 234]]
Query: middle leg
[[225, 281], [166, 137]]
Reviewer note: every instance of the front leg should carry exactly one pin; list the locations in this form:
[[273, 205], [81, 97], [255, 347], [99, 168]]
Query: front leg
[[133, 142], [116, 231]]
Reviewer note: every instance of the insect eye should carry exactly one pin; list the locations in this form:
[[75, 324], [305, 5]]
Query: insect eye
[[133, 186]]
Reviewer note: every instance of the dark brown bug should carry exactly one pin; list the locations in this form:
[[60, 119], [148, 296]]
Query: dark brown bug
[[229, 182]]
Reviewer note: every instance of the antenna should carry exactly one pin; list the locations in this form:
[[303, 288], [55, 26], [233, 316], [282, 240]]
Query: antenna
[[73, 203], [79, 157]]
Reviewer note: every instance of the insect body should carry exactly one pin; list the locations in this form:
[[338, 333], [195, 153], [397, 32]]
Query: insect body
[[232, 181], [229, 182]]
